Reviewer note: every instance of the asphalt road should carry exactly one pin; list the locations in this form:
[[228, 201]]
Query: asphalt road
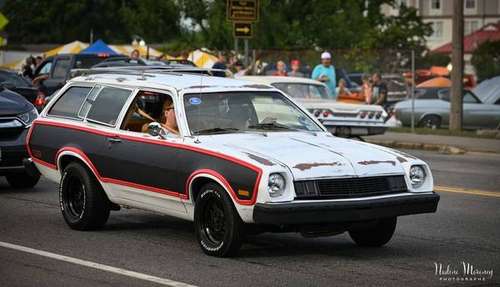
[[465, 229]]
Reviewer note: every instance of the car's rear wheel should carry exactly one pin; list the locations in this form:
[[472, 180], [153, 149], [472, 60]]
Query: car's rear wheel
[[376, 236], [83, 202], [218, 226], [431, 121], [22, 180]]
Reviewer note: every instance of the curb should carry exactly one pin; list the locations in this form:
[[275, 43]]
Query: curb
[[446, 149]]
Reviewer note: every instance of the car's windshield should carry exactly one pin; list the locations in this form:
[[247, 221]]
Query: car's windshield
[[302, 91], [212, 113]]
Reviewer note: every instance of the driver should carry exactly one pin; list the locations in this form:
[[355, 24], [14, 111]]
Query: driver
[[167, 121]]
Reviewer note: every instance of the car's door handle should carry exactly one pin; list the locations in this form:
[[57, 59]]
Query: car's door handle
[[114, 140]]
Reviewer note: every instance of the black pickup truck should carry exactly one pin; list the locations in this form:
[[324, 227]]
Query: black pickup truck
[[54, 71]]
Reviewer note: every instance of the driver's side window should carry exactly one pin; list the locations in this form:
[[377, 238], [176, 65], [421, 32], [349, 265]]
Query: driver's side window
[[45, 69], [469, 98], [146, 108]]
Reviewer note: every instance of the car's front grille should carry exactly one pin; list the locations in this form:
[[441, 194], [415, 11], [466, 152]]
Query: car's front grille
[[13, 156], [10, 129], [349, 187]]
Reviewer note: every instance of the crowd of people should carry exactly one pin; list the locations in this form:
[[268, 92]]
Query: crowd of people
[[373, 91], [30, 65]]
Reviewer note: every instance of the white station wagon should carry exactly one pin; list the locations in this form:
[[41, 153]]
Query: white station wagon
[[231, 156]]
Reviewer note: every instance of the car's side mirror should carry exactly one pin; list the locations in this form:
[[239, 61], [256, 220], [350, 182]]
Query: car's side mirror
[[155, 130], [7, 85]]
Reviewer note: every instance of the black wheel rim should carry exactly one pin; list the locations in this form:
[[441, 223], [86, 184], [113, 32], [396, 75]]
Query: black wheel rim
[[74, 197], [431, 123], [213, 222]]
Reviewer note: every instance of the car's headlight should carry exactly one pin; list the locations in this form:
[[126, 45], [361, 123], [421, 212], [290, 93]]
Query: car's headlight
[[28, 117], [417, 176], [276, 185]]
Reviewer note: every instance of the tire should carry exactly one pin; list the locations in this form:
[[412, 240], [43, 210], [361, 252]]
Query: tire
[[376, 236], [22, 180], [218, 227], [430, 121], [82, 200]]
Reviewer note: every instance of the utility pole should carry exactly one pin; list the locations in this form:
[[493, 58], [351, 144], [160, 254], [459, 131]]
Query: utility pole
[[457, 63]]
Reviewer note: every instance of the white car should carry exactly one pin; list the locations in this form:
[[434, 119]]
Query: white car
[[342, 119], [244, 158]]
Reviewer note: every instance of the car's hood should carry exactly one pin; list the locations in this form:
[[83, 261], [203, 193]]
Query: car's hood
[[308, 155], [12, 103]]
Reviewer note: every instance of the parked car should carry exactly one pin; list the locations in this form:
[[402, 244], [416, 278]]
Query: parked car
[[341, 119], [356, 77], [247, 158], [488, 91], [54, 71], [16, 83], [16, 116], [434, 113]]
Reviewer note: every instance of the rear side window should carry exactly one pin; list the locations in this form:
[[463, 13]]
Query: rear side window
[[69, 103], [61, 68], [107, 106]]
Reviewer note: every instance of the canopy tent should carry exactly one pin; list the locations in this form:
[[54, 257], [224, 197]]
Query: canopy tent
[[202, 59], [438, 82], [74, 47], [143, 51], [98, 47]]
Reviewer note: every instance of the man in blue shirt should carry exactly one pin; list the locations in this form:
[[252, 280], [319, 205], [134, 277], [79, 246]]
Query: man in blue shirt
[[325, 72]]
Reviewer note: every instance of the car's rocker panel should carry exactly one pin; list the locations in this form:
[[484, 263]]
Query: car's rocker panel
[[151, 164]]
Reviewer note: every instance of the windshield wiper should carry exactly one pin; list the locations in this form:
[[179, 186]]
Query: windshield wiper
[[270, 126], [215, 131]]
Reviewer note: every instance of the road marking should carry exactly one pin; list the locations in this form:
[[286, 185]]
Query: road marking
[[466, 191], [120, 271]]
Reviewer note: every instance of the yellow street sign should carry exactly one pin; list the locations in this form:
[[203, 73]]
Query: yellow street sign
[[3, 41], [3, 21], [242, 30]]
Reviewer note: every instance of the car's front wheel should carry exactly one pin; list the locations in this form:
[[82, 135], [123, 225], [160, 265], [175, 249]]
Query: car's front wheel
[[22, 180], [83, 202], [377, 235], [217, 224]]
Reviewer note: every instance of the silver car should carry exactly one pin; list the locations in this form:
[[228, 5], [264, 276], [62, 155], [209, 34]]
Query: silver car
[[434, 113], [341, 119]]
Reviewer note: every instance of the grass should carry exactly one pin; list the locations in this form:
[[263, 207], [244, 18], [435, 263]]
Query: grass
[[443, 132]]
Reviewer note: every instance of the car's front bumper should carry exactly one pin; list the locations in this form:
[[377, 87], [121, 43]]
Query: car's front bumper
[[13, 152], [339, 211]]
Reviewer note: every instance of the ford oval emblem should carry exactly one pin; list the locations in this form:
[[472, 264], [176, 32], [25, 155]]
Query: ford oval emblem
[[194, 101]]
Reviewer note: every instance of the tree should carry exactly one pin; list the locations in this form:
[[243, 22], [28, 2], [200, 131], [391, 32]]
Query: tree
[[486, 60], [60, 21]]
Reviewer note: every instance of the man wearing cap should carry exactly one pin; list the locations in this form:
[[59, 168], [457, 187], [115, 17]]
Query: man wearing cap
[[325, 72]]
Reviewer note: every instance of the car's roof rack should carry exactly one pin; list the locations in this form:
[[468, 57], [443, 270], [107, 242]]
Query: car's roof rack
[[140, 70]]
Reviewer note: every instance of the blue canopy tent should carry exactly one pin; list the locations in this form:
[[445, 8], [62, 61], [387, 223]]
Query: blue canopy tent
[[98, 47]]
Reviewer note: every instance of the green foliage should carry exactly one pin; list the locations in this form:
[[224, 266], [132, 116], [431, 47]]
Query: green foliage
[[486, 60], [434, 59], [60, 21]]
